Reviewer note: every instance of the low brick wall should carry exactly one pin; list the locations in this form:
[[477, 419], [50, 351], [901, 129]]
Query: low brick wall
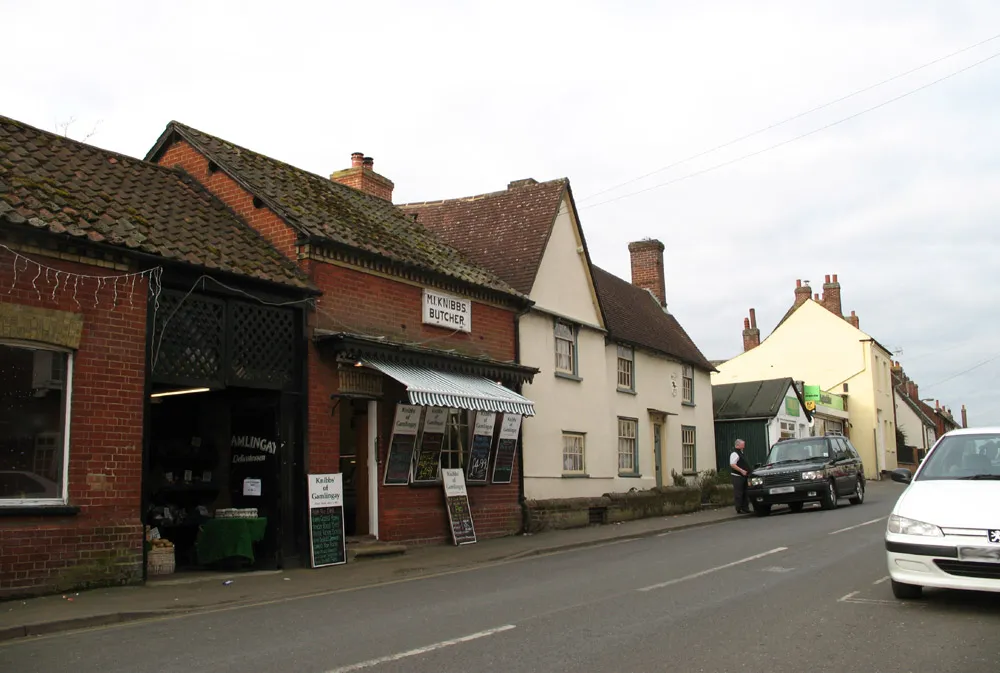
[[559, 514]]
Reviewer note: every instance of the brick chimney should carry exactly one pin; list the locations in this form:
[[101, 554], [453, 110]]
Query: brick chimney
[[362, 176], [853, 319], [751, 335], [647, 267], [831, 296], [802, 293], [913, 391], [965, 417]]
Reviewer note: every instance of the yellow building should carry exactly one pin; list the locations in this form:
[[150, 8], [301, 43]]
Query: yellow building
[[816, 344]]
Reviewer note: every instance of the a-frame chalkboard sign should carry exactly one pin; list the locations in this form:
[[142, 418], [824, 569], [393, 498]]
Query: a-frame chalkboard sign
[[327, 544], [457, 503]]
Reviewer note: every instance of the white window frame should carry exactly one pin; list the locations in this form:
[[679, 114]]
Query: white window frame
[[687, 381], [67, 392], [685, 445], [786, 427], [582, 453], [628, 445], [626, 368], [572, 371]]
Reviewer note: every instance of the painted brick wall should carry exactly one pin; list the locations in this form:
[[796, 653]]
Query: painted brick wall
[[102, 544], [270, 226]]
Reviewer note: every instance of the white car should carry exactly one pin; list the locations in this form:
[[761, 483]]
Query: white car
[[945, 528]]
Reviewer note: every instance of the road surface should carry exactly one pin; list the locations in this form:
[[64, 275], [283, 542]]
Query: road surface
[[791, 592]]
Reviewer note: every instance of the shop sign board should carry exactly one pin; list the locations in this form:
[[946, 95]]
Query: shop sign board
[[401, 445], [428, 463], [448, 311], [327, 543], [478, 469], [503, 464], [459, 511]]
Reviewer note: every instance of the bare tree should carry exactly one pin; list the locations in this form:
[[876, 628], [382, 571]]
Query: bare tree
[[63, 128]]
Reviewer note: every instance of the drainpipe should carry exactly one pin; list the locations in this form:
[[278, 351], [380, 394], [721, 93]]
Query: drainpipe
[[520, 443]]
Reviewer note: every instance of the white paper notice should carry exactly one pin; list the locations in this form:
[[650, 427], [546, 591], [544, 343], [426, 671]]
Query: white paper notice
[[251, 487]]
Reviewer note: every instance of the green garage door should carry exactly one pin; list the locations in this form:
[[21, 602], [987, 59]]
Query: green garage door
[[754, 433]]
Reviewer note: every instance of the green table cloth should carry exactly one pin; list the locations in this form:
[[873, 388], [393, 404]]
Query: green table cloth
[[220, 539]]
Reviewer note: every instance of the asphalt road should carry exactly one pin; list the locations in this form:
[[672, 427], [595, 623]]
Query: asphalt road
[[791, 592]]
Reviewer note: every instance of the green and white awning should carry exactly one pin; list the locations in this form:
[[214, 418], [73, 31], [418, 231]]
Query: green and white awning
[[428, 387]]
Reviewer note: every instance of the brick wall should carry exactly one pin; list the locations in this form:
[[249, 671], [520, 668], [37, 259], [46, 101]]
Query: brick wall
[[417, 515], [101, 544], [270, 226]]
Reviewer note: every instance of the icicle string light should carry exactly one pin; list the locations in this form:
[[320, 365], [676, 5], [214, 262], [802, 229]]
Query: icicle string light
[[56, 278]]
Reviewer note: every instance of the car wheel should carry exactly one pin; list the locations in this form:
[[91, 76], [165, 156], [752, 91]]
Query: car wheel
[[859, 493], [761, 509], [796, 506], [829, 497], [906, 592]]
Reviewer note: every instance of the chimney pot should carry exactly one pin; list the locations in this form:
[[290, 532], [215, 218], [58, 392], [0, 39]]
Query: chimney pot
[[746, 323], [798, 283], [753, 318], [369, 163], [816, 297], [356, 159], [965, 417], [834, 278], [827, 280]]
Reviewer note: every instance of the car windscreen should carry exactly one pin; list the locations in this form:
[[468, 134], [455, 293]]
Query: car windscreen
[[963, 457], [799, 450]]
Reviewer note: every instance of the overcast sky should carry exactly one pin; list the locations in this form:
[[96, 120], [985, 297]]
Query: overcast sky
[[459, 98]]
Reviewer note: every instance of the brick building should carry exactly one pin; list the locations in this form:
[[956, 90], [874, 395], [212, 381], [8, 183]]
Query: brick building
[[406, 325], [99, 252]]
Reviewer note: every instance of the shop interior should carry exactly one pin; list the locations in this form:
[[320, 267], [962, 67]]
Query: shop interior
[[212, 479]]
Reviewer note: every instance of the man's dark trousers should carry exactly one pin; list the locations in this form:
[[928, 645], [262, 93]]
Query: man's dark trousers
[[740, 493]]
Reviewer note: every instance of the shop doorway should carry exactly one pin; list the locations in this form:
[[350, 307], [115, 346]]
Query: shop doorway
[[214, 477]]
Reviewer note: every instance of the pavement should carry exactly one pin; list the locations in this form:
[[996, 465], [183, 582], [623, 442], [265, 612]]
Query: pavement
[[783, 594], [197, 592]]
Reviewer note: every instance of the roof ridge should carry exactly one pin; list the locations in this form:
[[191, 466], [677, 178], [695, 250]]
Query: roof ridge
[[479, 197]]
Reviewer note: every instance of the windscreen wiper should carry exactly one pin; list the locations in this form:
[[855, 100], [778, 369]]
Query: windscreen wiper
[[983, 476]]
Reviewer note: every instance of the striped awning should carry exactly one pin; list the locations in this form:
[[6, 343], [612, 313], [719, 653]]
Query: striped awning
[[428, 387]]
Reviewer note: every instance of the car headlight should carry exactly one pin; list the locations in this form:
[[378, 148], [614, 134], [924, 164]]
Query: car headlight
[[809, 476], [756, 481], [904, 526]]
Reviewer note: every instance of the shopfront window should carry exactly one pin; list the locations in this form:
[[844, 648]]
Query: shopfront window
[[454, 450], [35, 387]]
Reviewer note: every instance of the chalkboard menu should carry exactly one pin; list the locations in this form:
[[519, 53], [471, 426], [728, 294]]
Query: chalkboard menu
[[457, 503], [404, 439], [478, 469], [429, 450], [503, 464], [327, 544]]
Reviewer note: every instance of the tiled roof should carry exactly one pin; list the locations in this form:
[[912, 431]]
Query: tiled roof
[[75, 190], [750, 399], [505, 232], [633, 315], [323, 209]]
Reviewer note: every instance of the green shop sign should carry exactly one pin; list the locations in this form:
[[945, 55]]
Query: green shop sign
[[815, 397], [791, 406]]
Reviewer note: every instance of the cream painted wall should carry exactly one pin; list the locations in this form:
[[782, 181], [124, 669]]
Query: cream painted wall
[[565, 405], [655, 376], [563, 284], [817, 347], [917, 433]]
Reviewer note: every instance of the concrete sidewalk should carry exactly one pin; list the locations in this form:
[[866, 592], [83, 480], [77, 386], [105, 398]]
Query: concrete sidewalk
[[199, 592]]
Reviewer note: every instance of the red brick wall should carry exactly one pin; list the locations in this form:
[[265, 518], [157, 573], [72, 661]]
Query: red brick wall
[[417, 515], [103, 542], [269, 225]]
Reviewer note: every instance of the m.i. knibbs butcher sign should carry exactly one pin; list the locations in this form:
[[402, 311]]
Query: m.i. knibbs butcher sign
[[446, 311]]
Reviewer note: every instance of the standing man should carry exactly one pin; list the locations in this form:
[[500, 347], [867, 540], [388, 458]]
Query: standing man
[[739, 470]]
